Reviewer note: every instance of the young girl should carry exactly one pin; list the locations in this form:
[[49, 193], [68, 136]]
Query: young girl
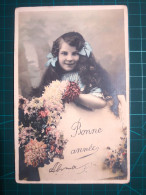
[[72, 59]]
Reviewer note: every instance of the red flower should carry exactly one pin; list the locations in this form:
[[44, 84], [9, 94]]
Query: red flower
[[52, 148], [59, 151], [43, 114], [47, 130], [72, 92]]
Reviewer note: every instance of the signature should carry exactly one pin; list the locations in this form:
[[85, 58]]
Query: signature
[[58, 167], [77, 128]]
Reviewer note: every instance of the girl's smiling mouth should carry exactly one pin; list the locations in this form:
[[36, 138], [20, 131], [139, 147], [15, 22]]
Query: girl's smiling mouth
[[69, 64]]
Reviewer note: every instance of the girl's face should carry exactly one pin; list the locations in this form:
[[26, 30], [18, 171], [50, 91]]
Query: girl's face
[[68, 57]]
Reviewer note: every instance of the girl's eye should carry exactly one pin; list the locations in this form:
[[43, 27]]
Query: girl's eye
[[64, 53], [75, 54]]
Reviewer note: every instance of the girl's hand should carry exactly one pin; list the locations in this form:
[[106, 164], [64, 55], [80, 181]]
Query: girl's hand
[[110, 103], [90, 101]]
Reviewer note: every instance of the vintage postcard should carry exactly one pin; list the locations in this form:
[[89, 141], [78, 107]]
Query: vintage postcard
[[72, 95]]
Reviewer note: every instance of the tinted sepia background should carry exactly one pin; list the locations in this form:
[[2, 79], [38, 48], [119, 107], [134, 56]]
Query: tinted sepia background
[[103, 29]]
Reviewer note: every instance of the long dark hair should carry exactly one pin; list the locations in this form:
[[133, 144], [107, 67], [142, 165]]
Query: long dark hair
[[91, 73]]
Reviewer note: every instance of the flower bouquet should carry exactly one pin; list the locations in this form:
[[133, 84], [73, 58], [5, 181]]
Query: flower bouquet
[[116, 160], [39, 137]]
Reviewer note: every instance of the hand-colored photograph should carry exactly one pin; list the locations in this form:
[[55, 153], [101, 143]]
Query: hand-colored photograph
[[72, 95]]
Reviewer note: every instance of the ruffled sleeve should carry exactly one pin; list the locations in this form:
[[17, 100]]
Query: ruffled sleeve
[[97, 92]]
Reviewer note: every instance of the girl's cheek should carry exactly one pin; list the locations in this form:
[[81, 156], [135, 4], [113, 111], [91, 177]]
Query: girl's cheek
[[77, 58]]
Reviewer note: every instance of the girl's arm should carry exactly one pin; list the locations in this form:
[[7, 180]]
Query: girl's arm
[[90, 101]]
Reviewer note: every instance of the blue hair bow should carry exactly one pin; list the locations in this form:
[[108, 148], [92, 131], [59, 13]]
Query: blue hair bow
[[86, 50], [51, 60]]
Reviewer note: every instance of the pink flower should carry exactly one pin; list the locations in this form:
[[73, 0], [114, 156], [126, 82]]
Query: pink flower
[[44, 113], [48, 129], [57, 151], [124, 154], [52, 148], [35, 153]]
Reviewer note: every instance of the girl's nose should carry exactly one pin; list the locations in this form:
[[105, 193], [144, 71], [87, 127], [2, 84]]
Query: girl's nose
[[69, 57]]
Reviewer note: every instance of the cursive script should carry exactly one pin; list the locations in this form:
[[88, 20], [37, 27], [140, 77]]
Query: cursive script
[[58, 167], [85, 149], [77, 128]]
